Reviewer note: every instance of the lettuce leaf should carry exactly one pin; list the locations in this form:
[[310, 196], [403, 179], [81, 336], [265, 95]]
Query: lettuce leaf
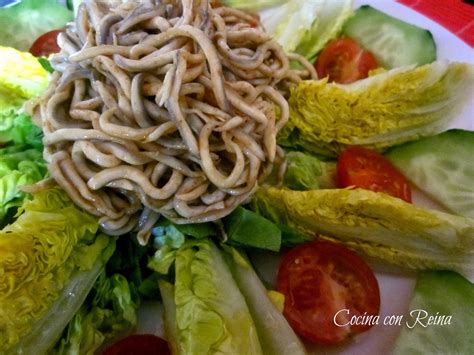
[[27, 172], [169, 315], [130, 260], [377, 224], [17, 128], [305, 26], [440, 294], [307, 172], [21, 76], [198, 230], [23, 23], [332, 17], [275, 334], [253, 5], [290, 22], [110, 311], [19, 165], [12, 157], [246, 228], [50, 258], [383, 110], [205, 313]]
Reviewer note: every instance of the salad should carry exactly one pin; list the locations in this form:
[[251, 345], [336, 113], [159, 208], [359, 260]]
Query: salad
[[157, 152]]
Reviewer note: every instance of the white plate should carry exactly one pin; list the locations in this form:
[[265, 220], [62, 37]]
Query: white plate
[[396, 285]]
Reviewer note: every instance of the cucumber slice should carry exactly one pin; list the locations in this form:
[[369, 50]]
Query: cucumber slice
[[442, 167], [393, 42]]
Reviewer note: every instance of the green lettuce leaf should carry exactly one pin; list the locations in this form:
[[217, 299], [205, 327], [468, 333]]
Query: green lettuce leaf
[[275, 334], [290, 22], [46, 64], [21, 76], [332, 17], [305, 26], [167, 237], [375, 223], [169, 315], [17, 128], [205, 313], [50, 258], [109, 311], [130, 260], [383, 110], [22, 24], [246, 228], [16, 169], [28, 172], [439, 294], [197, 230], [307, 172], [11, 157], [252, 5], [290, 237]]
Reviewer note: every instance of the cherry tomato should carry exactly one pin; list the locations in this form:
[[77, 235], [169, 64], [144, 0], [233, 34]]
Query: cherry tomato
[[46, 44], [370, 170], [320, 281], [143, 344], [344, 61]]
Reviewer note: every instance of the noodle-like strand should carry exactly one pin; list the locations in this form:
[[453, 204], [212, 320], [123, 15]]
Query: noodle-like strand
[[164, 108]]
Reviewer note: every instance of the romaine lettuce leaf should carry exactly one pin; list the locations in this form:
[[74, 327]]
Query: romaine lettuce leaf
[[109, 311], [332, 17], [252, 5], [19, 165], [130, 260], [23, 23], [11, 157], [21, 76], [49, 259], [44, 331], [439, 294], [170, 322], [27, 172], [198, 230], [290, 22], [17, 128], [307, 172], [275, 334], [209, 314], [380, 225], [383, 110], [305, 26], [246, 228]]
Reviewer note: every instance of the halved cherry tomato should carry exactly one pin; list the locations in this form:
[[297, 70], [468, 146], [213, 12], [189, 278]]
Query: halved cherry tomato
[[320, 281], [143, 344], [367, 169], [345, 61], [46, 44]]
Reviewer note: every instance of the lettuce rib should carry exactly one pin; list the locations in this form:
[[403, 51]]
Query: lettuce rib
[[378, 224], [48, 329], [49, 252], [383, 110], [274, 333]]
